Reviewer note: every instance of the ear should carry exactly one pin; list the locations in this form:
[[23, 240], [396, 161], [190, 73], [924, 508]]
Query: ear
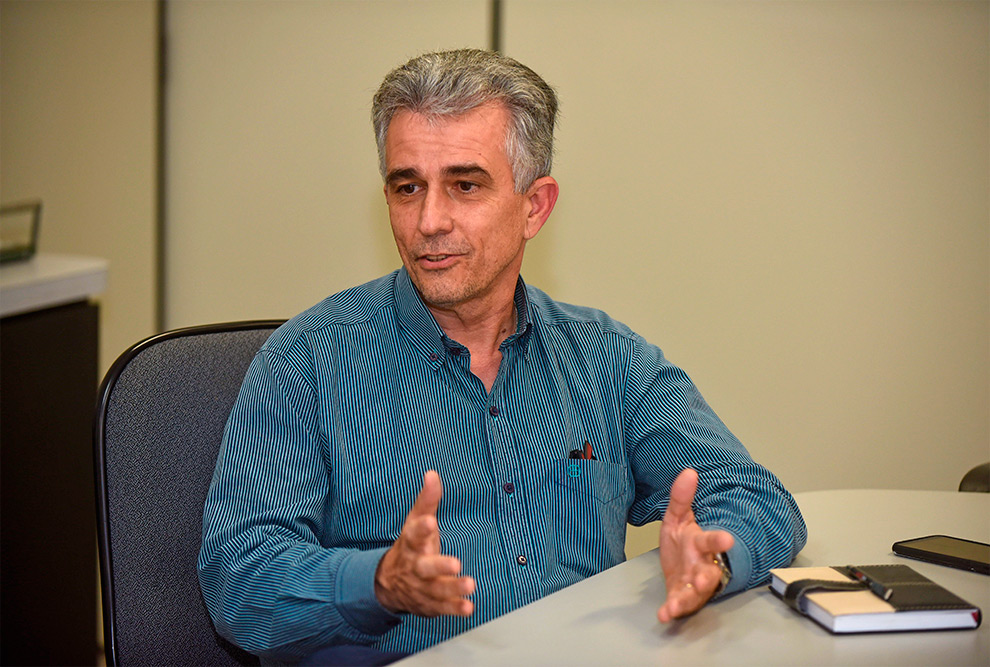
[[541, 198]]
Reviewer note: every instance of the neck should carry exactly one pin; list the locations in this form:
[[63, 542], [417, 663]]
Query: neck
[[481, 332], [481, 329]]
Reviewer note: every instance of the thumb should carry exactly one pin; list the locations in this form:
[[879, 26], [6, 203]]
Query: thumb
[[682, 495], [428, 500]]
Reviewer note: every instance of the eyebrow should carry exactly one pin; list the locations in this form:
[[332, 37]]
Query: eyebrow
[[471, 169], [401, 175]]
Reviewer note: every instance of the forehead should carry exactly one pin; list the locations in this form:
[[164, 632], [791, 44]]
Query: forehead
[[421, 141]]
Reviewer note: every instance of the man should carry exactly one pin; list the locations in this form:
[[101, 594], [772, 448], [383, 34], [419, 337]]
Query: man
[[420, 454]]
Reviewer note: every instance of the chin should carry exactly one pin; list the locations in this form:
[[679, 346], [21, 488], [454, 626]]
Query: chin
[[437, 292], [442, 298]]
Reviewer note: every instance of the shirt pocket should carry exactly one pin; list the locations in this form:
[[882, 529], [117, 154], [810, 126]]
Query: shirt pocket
[[587, 503], [599, 480]]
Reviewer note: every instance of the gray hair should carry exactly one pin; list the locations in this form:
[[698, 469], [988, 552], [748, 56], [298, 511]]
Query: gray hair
[[450, 83]]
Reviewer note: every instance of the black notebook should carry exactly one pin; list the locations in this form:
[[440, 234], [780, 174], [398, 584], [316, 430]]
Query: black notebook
[[872, 598]]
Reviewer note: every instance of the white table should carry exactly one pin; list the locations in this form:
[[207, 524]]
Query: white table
[[610, 619]]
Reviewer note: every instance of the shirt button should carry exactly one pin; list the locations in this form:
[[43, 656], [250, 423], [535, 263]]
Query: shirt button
[[521, 559], [508, 487], [434, 356], [493, 411]]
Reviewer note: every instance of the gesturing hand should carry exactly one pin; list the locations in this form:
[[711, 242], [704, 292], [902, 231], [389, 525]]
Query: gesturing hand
[[687, 553], [413, 576]]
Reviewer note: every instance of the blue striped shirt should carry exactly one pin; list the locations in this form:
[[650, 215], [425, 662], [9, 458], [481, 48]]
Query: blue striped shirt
[[347, 405]]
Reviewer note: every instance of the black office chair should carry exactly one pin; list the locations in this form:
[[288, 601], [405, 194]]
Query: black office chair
[[162, 409], [977, 479]]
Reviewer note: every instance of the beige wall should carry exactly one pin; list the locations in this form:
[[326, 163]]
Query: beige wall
[[274, 198], [791, 198], [77, 130]]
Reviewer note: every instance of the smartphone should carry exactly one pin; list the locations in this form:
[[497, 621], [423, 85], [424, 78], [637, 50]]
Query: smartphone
[[945, 550]]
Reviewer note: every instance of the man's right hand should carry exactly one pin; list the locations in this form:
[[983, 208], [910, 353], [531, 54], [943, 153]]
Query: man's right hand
[[413, 576]]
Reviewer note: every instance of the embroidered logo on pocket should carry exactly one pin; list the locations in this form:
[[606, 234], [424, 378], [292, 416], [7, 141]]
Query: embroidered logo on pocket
[[603, 481]]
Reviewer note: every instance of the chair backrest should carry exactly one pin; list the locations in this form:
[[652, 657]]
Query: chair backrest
[[160, 419], [977, 479]]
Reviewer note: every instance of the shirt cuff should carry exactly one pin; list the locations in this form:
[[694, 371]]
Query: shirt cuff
[[355, 593], [741, 565]]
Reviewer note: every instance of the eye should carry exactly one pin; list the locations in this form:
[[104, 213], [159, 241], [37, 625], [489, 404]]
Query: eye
[[466, 186], [406, 189]]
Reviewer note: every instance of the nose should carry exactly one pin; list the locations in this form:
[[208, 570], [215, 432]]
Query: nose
[[436, 214]]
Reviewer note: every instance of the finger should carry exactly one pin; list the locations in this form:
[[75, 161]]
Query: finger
[[448, 607], [449, 588], [444, 595], [458, 607], [428, 500], [706, 580], [437, 566], [684, 600], [670, 609], [667, 612], [682, 495], [674, 607], [710, 542]]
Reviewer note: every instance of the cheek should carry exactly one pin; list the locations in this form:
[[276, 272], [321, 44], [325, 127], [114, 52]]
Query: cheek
[[399, 221], [507, 232]]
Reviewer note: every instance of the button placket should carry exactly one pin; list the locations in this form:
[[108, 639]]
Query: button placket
[[513, 523]]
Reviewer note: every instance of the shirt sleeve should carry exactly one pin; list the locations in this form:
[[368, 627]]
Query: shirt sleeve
[[670, 427], [269, 584]]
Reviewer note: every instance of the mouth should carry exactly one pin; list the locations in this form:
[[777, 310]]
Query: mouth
[[438, 260]]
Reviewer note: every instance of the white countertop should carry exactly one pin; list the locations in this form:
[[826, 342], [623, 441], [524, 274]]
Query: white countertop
[[48, 280]]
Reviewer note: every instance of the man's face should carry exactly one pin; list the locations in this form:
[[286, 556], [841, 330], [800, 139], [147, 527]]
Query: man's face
[[459, 226]]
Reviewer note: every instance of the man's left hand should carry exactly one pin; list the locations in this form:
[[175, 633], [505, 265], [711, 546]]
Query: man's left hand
[[687, 553]]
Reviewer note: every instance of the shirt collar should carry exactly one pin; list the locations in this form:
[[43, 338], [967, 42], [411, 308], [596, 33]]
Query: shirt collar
[[428, 337], [524, 324]]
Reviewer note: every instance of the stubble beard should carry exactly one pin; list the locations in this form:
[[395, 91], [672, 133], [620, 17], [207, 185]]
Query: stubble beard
[[444, 291]]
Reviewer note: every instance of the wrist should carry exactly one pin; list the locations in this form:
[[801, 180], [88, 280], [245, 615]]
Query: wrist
[[384, 591]]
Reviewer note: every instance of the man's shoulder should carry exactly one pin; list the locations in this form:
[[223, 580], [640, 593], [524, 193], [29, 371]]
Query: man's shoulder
[[552, 313], [348, 308]]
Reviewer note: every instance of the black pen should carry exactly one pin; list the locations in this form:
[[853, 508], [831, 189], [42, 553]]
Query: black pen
[[878, 589]]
